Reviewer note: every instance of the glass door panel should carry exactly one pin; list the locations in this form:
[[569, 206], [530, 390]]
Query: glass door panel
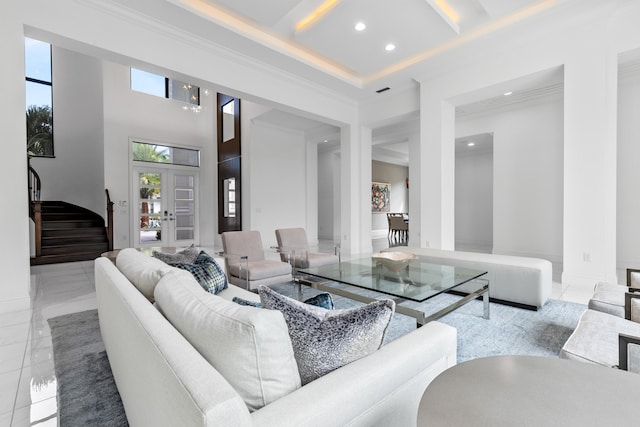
[[149, 207], [184, 207], [166, 208]]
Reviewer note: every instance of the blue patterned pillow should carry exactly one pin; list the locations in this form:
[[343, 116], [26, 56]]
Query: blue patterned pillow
[[321, 300], [243, 301], [186, 256], [206, 271]]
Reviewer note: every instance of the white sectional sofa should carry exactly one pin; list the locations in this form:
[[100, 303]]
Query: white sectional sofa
[[164, 381], [520, 281]]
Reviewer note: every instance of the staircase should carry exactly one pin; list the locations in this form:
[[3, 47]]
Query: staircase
[[70, 233]]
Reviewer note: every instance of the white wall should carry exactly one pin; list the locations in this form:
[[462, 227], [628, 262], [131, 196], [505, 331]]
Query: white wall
[[327, 162], [395, 175], [528, 177], [628, 223], [130, 114], [14, 252], [474, 202], [76, 174], [277, 181]]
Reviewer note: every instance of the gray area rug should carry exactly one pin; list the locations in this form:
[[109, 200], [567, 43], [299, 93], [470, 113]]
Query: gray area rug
[[87, 394], [509, 330]]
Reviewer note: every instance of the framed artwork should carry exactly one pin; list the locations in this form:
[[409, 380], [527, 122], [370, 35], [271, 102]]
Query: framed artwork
[[380, 197]]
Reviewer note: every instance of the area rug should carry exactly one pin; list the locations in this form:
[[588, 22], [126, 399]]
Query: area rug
[[87, 394], [510, 330]]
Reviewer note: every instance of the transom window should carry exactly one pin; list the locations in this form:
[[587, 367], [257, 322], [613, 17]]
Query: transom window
[[164, 87], [155, 153]]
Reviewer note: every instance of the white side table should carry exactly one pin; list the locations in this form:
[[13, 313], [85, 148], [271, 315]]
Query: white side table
[[530, 391]]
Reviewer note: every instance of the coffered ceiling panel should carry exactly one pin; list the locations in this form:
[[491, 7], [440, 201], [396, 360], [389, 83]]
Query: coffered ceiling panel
[[410, 25]]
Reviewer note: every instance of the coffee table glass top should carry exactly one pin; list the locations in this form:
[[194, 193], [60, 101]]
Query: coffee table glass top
[[418, 281]]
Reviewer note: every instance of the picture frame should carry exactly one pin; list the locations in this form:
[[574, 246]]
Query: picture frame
[[380, 197]]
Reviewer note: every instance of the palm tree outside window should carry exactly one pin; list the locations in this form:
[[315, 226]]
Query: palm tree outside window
[[39, 97]]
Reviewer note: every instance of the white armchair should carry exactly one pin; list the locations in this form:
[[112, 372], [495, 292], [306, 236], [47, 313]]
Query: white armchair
[[608, 339], [245, 263], [294, 248]]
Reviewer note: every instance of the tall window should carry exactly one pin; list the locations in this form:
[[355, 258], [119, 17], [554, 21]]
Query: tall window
[[39, 98]]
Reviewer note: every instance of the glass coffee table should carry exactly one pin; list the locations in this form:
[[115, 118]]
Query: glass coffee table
[[418, 281]]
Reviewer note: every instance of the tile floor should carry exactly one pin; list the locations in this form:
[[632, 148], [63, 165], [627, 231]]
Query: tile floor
[[27, 379]]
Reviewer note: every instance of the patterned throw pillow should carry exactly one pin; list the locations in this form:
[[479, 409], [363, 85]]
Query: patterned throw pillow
[[323, 300], [324, 340], [206, 271], [186, 256]]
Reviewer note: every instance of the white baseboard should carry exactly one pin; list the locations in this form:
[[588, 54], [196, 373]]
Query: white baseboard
[[379, 234]]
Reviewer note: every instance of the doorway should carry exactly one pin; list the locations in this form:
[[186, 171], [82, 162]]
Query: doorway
[[474, 193], [165, 201]]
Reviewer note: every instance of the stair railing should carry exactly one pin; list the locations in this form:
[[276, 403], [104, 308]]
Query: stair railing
[[109, 220], [35, 184], [35, 205]]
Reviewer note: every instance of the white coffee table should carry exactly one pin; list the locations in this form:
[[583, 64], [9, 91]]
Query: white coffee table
[[530, 391]]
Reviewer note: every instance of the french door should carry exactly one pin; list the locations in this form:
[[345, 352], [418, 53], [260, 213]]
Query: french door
[[165, 207]]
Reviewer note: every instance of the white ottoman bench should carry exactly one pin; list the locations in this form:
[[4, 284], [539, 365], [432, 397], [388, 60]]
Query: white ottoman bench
[[513, 280]]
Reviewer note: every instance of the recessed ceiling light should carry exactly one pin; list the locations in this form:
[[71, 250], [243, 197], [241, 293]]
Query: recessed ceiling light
[[389, 47], [470, 144], [360, 26], [508, 93]]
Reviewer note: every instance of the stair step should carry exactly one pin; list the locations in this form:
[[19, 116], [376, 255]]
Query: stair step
[[73, 223], [66, 216], [55, 259], [48, 242], [68, 232], [75, 249]]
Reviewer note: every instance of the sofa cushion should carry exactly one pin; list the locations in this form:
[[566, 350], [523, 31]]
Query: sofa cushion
[[250, 348], [141, 270], [206, 271], [186, 256], [324, 340]]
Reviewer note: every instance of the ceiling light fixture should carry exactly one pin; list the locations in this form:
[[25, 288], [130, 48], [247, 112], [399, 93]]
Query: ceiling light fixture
[[508, 93], [470, 144], [389, 47], [360, 26]]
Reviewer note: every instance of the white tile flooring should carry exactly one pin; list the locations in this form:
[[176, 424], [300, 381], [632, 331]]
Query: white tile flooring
[[27, 379]]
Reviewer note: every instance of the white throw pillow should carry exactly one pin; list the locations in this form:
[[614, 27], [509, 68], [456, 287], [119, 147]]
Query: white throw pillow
[[142, 270], [250, 347]]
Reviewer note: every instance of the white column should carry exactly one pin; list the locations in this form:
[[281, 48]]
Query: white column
[[311, 202], [355, 194], [365, 196], [590, 137], [14, 251], [432, 167]]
